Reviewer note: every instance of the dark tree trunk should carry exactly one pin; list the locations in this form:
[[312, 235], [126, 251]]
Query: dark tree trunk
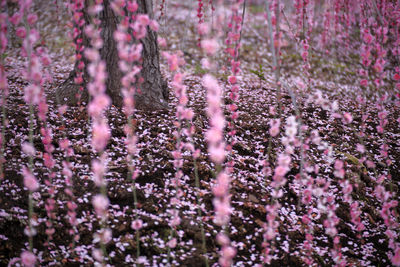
[[153, 92]]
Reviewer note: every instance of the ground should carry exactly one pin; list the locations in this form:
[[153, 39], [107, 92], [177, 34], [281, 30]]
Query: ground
[[332, 74]]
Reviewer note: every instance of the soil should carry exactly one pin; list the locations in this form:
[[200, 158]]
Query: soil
[[250, 188]]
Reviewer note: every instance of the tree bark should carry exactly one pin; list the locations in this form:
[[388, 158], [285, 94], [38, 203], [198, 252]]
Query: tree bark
[[153, 92]]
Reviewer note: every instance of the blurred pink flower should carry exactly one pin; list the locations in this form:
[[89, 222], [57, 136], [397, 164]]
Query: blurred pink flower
[[347, 117], [137, 224], [364, 82], [101, 135], [172, 243], [100, 204], [139, 30], [30, 181], [228, 252], [143, 19], [396, 257], [162, 42], [32, 18], [154, 25], [21, 32], [203, 28], [28, 259], [217, 153], [28, 149], [223, 239], [274, 130], [132, 6], [210, 46], [172, 59], [98, 169], [368, 38], [281, 171], [32, 94], [99, 103], [16, 18]]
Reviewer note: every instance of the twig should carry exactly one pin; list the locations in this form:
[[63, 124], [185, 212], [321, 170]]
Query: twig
[[240, 33], [274, 58]]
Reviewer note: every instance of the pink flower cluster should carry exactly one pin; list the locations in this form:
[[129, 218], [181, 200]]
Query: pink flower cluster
[[270, 231], [214, 136], [217, 153], [100, 128], [76, 7], [97, 89]]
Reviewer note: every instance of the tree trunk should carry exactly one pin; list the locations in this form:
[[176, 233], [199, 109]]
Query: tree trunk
[[153, 92]]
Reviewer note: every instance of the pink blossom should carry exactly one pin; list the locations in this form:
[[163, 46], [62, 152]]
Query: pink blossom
[[291, 131], [93, 10], [222, 186], [32, 94], [131, 144], [188, 114], [106, 235], [21, 32], [370, 164], [100, 204], [364, 82], [281, 171], [162, 42], [203, 28], [378, 66], [16, 18], [32, 18], [338, 164], [396, 258], [270, 233], [98, 255], [172, 59], [101, 135], [232, 79], [210, 46], [28, 149], [64, 144], [367, 38], [120, 35], [30, 181], [154, 25], [228, 252], [223, 239], [172, 243], [99, 103], [143, 19], [28, 259], [98, 172], [223, 210], [339, 171], [139, 30], [347, 117], [132, 6], [284, 160], [137, 224], [117, 6], [176, 220], [209, 82], [274, 130], [360, 148], [92, 54], [205, 64], [217, 153]]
